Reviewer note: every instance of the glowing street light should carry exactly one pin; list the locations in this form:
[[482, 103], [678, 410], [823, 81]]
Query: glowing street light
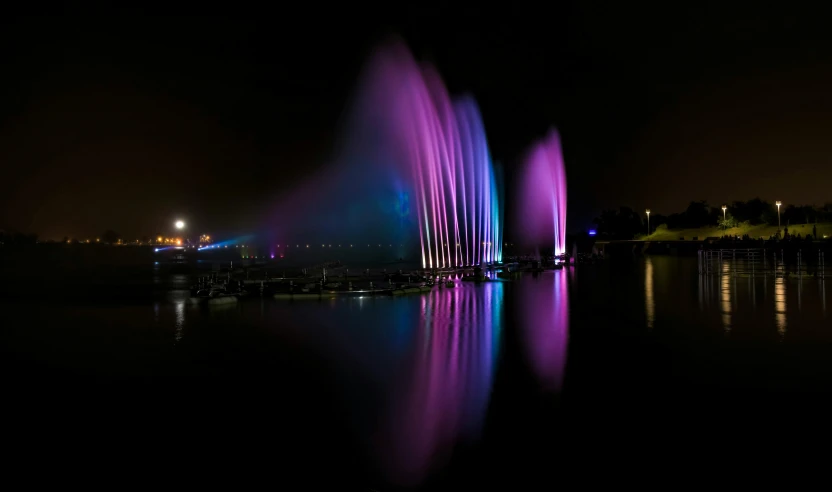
[[179, 224], [778, 203], [724, 208], [648, 221]]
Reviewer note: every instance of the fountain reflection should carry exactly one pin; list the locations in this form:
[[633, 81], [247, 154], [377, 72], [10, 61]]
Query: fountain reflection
[[545, 322], [449, 386], [780, 304], [648, 292]]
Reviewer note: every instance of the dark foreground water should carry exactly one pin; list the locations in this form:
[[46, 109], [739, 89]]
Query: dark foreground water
[[600, 374]]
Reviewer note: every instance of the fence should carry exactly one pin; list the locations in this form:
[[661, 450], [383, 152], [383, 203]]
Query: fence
[[761, 261]]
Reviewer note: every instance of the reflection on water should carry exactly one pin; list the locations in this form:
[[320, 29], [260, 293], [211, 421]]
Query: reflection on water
[[725, 296], [179, 305], [448, 387], [737, 302], [799, 295], [544, 306], [780, 304], [648, 292], [409, 378]]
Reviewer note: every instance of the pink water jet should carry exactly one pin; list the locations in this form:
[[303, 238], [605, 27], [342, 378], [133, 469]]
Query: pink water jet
[[415, 161], [541, 194]]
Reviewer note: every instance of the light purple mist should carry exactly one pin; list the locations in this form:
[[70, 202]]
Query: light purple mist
[[541, 196]]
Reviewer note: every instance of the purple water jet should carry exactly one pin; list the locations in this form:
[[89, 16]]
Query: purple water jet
[[541, 217], [406, 138]]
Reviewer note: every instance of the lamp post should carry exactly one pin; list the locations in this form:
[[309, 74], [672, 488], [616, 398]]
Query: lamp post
[[648, 221], [179, 224], [778, 203], [724, 208]]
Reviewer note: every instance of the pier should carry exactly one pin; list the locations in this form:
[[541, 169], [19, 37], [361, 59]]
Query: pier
[[330, 280]]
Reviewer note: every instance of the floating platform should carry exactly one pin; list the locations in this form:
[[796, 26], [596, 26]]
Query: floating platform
[[306, 296], [411, 290], [472, 278], [509, 275], [213, 301], [331, 294]]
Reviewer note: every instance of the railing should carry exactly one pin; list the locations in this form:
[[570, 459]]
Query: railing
[[760, 261]]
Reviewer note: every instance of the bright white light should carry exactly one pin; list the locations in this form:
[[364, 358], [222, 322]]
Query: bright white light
[[180, 224]]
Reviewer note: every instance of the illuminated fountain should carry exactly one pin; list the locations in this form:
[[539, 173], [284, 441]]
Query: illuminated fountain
[[414, 170], [541, 217]]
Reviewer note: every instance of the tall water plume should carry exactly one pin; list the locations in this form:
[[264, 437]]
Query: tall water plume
[[541, 194], [415, 170]]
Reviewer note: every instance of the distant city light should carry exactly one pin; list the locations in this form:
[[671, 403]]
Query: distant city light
[[592, 232]]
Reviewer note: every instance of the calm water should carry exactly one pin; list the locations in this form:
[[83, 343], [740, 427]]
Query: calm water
[[543, 378]]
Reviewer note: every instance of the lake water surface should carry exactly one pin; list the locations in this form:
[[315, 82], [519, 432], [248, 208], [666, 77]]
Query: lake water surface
[[537, 379]]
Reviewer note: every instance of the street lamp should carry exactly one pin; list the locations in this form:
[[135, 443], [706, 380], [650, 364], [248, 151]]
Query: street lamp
[[724, 208], [778, 203], [179, 224], [648, 221]]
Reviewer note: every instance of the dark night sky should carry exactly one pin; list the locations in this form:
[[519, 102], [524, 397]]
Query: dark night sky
[[128, 122]]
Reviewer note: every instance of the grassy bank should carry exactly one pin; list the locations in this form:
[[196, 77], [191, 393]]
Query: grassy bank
[[758, 231]]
